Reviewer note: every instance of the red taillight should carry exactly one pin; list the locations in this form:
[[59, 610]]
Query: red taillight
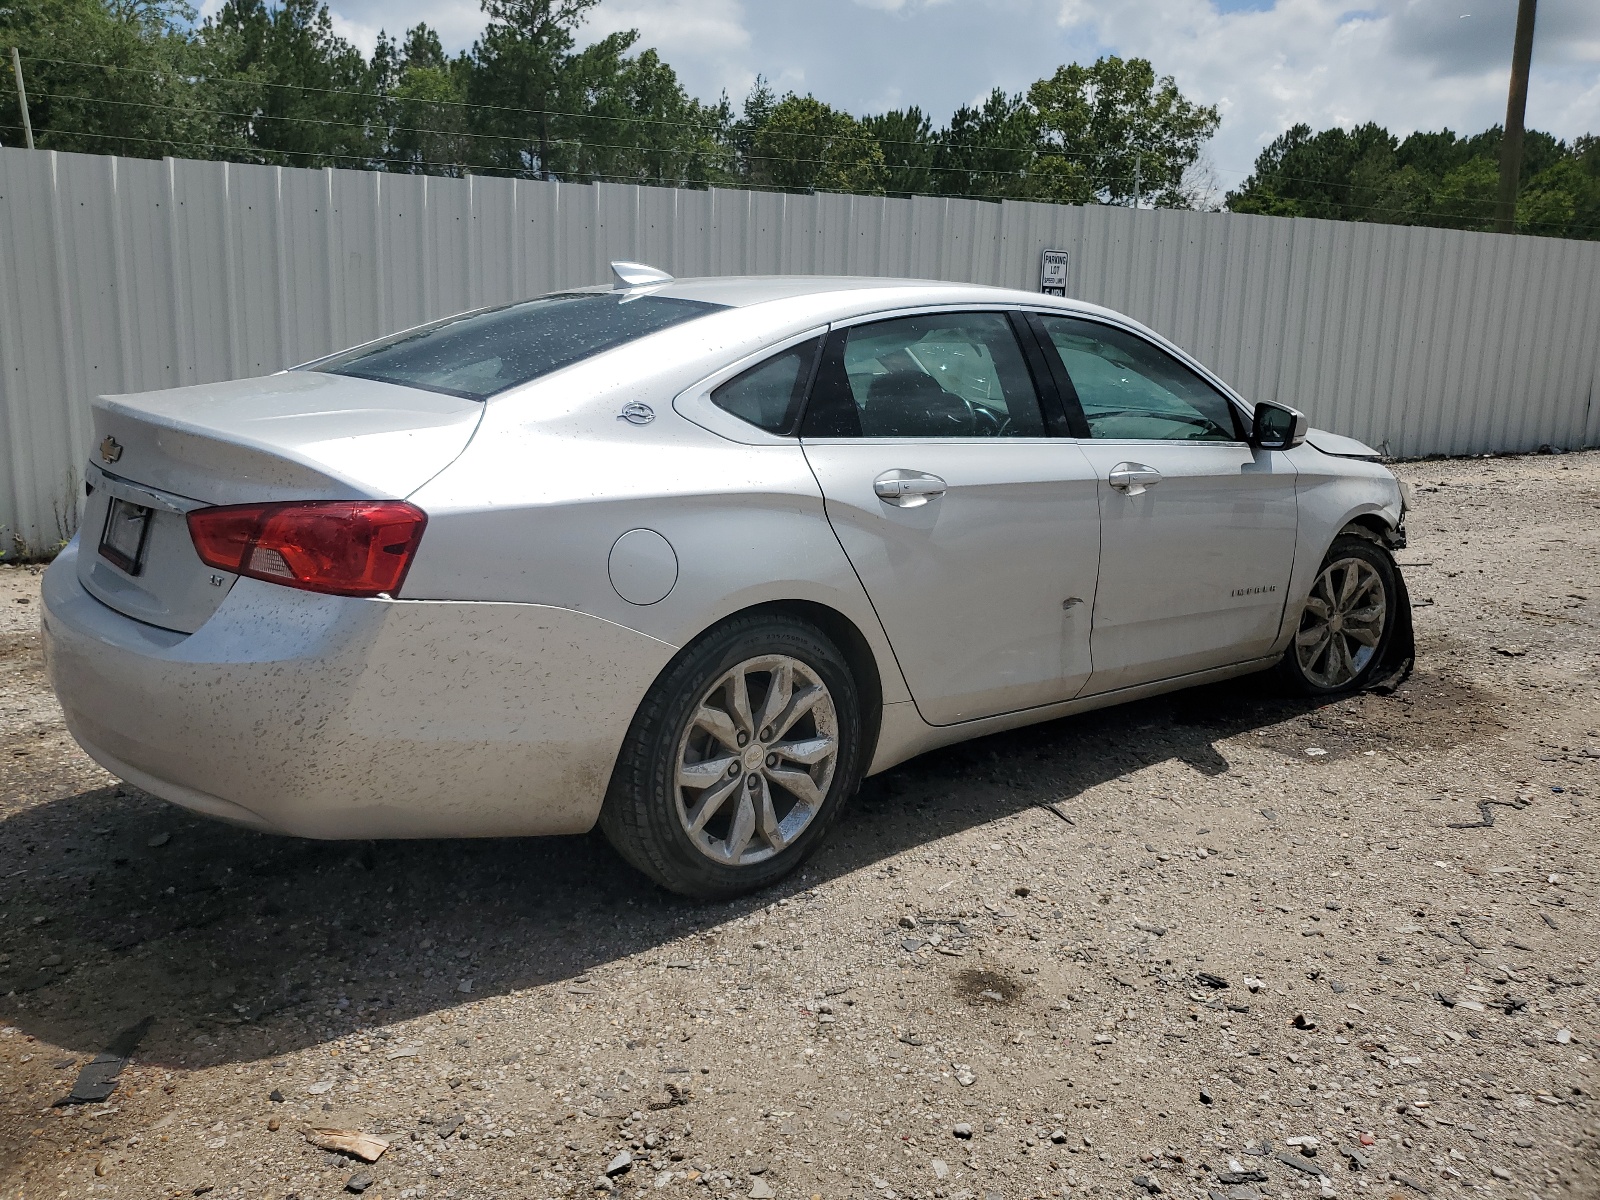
[[346, 547]]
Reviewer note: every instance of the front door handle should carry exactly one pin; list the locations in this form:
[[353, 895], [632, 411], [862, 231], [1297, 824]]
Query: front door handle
[[1131, 478], [908, 489]]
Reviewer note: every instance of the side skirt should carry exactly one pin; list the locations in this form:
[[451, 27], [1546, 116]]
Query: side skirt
[[905, 734]]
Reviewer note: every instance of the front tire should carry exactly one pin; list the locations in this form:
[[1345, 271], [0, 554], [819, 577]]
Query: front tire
[[1348, 621], [737, 760]]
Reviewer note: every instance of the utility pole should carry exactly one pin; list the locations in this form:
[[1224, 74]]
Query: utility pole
[[1138, 181], [1505, 209], [22, 97]]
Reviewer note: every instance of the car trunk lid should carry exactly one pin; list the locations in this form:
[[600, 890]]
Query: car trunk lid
[[299, 435]]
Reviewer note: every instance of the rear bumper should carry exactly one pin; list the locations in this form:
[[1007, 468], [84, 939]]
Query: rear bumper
[[330, 717]]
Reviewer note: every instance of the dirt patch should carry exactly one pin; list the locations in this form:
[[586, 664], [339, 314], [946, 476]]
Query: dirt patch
[[987, 988], [18, 647], [1433, 711]]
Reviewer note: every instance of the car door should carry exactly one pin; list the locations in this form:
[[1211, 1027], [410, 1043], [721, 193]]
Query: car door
[[975, 533], [1197, 528]]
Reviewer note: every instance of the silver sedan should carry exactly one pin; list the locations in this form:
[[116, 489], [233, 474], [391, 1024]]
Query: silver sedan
[[690, 559]]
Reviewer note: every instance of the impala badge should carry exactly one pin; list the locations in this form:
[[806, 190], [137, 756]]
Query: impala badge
[[637, 414], [110, 449]]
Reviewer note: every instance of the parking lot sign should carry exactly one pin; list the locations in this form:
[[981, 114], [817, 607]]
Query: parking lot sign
[[1053, 273]]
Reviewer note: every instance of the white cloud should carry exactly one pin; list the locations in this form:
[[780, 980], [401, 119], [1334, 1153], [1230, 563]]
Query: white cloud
[[357, 33], [457, 22], [701, 27], [1397, 62], [706, 39]]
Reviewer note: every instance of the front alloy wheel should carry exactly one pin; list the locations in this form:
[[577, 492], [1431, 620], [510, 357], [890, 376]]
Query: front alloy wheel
[[1342, 624], [1348, 620]]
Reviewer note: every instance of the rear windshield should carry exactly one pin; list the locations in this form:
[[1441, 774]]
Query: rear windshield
[[486, 352]]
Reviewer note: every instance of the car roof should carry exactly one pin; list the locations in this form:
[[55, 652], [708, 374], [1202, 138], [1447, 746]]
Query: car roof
[[744, 291]]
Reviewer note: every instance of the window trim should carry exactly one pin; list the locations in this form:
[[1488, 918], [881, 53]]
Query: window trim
[[1075, 424], [1242, 412], [1044, 389], [694, 403]]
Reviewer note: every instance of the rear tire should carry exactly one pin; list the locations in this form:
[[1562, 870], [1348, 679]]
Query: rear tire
[[738, 759], [1344, 632]]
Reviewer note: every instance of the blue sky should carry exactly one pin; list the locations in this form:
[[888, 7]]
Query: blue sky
[[1407, 64]]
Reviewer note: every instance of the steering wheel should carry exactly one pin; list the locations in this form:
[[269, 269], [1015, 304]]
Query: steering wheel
[[984, 421]]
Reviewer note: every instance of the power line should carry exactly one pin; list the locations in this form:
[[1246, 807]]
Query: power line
[[863, 139], [557, 141], [748, 155], [358, 160], [366, 161], [1037, 152]]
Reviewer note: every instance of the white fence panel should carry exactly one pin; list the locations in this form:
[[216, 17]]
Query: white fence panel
[[123, 275]]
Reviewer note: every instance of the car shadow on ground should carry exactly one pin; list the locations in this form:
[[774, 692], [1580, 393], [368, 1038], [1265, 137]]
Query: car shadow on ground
[[241, 945]]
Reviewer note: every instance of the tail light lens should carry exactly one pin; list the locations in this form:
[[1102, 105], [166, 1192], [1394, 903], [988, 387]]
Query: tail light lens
[[345, 547]]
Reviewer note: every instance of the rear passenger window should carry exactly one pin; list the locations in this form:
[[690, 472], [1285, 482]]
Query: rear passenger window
[[769, 394], [941, 375]]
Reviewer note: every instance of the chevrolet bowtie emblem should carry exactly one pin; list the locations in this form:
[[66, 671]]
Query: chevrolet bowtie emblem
[[110, 449]]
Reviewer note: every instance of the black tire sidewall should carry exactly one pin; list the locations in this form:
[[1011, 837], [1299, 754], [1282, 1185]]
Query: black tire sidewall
[[640, 815], [1348, 545]]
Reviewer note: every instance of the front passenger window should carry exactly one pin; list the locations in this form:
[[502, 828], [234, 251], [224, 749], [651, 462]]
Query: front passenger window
[[1133, 391]]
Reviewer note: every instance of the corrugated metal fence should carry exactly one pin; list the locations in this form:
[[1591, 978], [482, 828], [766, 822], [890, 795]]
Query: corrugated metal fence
[[121, 274]]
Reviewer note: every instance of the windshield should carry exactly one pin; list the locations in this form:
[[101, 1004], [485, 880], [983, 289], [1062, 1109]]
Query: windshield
[[482, 353]]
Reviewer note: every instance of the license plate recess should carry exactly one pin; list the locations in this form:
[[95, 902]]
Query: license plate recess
[[126, 531]]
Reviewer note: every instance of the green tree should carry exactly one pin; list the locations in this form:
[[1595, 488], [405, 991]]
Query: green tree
[[1430, 178], [1586, 213], [430, 126], [1315, 174], [106, 78], [528, 81], [987, 150], [906, 138], [1549, 204], [742, 133], [286, 89], [640, 126], [1098, 127], [806, 145], [1465, 196]]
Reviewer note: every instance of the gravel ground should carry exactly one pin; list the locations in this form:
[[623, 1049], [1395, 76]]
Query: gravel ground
[[1153, 949]]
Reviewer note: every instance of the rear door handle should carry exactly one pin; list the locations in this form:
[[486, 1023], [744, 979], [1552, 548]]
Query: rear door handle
[[908, 489], [1131, 478]]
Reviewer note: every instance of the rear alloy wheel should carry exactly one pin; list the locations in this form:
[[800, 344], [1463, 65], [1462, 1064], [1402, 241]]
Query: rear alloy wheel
[[756, 762], [1347, 620], [737, 760]]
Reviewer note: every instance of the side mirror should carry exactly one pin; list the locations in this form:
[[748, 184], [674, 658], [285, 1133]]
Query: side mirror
[[1278, 427]]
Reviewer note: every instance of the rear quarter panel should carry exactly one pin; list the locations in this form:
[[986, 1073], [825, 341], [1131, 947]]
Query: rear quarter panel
[[530, 511]]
